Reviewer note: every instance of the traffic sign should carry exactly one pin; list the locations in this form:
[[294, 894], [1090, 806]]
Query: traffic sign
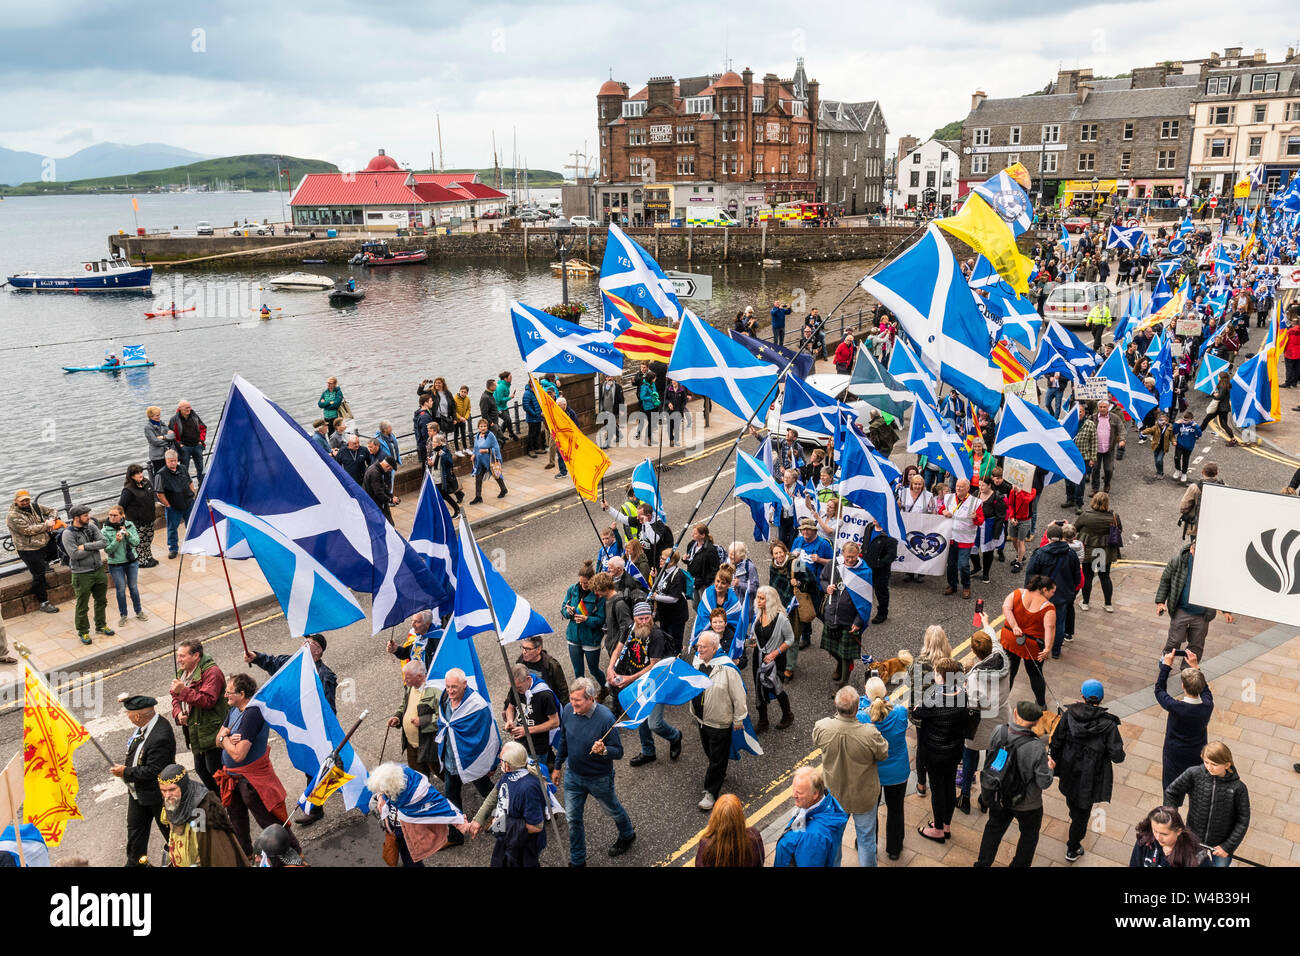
[[1214, 202], [688, 285]]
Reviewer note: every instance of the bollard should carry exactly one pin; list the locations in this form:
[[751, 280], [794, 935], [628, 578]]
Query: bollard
[[67, 495]]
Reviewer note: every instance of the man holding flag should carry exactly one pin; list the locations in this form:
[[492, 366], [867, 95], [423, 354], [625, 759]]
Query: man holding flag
[[843, 620]]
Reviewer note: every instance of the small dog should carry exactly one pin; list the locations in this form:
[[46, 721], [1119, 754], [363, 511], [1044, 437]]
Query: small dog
[[888, 668], [1045, 726]]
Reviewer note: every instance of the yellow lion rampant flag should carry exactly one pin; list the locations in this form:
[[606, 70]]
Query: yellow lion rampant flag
[[980, 227], [325, 784], [51, 736], [586, 462]]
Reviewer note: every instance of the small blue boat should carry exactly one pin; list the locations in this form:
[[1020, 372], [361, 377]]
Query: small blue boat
[[107, 368], [103, 275]]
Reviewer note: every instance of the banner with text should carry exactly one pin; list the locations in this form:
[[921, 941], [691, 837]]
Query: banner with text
[[924, 548]]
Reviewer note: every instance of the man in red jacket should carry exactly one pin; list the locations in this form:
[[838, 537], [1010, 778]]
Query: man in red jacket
[[199, 707]]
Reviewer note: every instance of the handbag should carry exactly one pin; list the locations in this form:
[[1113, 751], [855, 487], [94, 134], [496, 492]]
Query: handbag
[[1115, 534], [495, 468], [390, 854]]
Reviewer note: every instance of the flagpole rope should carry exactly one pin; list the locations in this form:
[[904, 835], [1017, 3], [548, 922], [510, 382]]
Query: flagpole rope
[[229, 587]]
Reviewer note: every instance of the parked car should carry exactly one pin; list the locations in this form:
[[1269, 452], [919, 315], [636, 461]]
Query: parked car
[[256, 228], [1070, 302], [491, 214], [204, 228], [1077, 223], [584, 222]]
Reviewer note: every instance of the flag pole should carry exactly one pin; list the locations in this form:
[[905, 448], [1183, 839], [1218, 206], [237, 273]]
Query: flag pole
[[230, 588], [333, 758], [763, 404], [25, 653], [505, 660]]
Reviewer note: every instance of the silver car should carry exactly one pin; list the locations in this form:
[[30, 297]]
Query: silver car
[[1070, 302]]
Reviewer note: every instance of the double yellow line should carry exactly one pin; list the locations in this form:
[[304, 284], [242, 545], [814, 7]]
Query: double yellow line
[[1256, 450]]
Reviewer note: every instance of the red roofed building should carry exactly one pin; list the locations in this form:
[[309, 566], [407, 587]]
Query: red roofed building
[[726, 143], [383, 197]]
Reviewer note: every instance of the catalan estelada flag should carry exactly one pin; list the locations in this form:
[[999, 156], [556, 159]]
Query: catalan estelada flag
[[1012, 369], [586, 462], [51, 736], [635, 338]]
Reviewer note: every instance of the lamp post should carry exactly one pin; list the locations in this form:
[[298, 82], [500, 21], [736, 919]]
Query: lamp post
[[1092, 215], [560, 230]]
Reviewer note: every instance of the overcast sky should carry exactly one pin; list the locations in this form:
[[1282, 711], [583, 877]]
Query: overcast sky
[[336, 80]]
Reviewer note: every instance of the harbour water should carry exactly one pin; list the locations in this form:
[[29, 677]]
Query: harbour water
[[447, 318]]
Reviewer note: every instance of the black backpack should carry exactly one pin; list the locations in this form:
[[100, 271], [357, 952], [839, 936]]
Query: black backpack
[[1001, 782]]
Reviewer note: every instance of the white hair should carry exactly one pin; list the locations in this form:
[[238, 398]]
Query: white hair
[[426, 616], [415, 666], [616, 559], [711, 637], [388, 779], [584, 684], [846, 701], [739, 549], [457, 673]]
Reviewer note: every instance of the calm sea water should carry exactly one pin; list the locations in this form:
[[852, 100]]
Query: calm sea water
[[449, 319]]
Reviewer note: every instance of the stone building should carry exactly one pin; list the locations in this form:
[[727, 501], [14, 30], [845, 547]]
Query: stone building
[[851, 155], [1086, 139], [926, 176]]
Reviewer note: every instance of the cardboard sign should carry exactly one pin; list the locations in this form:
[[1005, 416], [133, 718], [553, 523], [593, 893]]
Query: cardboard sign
[[1091, 389], [1019, 473], [1188, 326]]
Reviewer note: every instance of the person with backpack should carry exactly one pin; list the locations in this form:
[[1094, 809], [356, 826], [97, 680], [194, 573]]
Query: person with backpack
[[1012, 785], [988, 687], [1101, 532], [1085, 746], [1218, 802], [648, 394]]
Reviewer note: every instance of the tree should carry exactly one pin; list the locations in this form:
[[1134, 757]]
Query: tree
[[951, 131]]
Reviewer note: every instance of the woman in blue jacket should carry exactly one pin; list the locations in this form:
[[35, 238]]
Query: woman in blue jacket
[[533, 416], [649, 397], [487, 453], [585, 612], [891, 720]]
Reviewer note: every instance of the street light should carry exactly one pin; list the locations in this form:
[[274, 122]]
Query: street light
[[561, 229], [1095, 204]]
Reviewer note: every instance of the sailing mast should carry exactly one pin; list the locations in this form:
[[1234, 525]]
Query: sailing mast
[[438, 119]]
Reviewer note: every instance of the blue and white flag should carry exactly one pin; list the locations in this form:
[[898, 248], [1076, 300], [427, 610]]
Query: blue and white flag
[[1257, 180], [1153, 347], [550, 344], [1071, 419], [802, 364], [35, 852], [1159, 296], [633, 572], [512, 617], [867, 480], [809, 409], [1168, 267], [706, 362], [452, 653], [631, 273], [1207, 373], [1162, 369], [756, 483], [857, 581], [1118, 238], [1020, 320], [744, 740], [669, 681], [433, 535], [645, 484], [1083, 359], [264, 462], [1252, 392], [1146, 245], [420, 803], [1009, 200], [1064, 239], [1126, 387], [908, 369], [1185, 228], [924, 287], [468, 738], [1050, 361], [708, 601], [313, 600], [134, 353], [931, 437], [1028, 433], [1224, 260], [1132, 315], [293, 704], [875, 386]]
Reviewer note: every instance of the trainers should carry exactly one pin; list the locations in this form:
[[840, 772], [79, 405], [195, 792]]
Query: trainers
[[1083, 607], [49, 608], [706, 802], [1073, 854], [141, 616], [1015, 567], [1068, 638], [85, 638], [106, 631], [1110, 608], [123, 621]]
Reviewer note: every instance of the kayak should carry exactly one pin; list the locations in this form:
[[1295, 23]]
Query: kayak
[[340, 296], [167, 312], [106, 368]]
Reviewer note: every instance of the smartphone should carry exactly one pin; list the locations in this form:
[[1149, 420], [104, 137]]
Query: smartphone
[[1181, 652], [979, 607]]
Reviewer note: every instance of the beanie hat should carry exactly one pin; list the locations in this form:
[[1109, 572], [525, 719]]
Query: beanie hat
[[642, 609], [1029, 710]]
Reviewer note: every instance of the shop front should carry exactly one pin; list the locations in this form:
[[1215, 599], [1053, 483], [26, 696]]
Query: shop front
[[1087, 192]]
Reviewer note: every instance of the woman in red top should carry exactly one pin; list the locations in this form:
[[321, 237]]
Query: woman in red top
[[1030, 617], [844, 355]]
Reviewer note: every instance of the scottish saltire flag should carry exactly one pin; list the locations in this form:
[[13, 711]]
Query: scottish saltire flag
[[669, 681], [931, 437], [1020, 320], [809, 409], [646, 485], [908, 369], [35, 852], [1167, 266], [468, 737], [1132, 313], [754, 482], [1064, 239], [1028, 433], [550, 344], [1159, 296], [1252, 392], [313, 600], [452, 653], [708, 601], [763, 513], [984, 276], [867, 480], [857, 581], [1117, 238], [134, 353], [293, 704], [924, 287], [1162, 369], [1050, 361], [1071, 419], [875, 386], [633, 572], [1256, 176], [420, 802], [1083, 359], [433, 535], [264, 462], [1146, 245], [1153, 347], [1185, 227], [631, 273], [744, 740], [1009, 200], [512, 617], [1126, 387], [1217, 301], [1224, 261], [1207, 373], [706, 362]]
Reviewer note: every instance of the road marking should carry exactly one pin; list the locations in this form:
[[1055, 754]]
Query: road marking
[[1258, 452], [687, 489]]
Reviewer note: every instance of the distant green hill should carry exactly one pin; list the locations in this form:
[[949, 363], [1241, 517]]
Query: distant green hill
[[256, 172], [538, 178], [951, 131]]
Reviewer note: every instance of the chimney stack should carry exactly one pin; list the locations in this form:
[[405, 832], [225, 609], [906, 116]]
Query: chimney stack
[[978, 97], [659, 92], [771, 90]]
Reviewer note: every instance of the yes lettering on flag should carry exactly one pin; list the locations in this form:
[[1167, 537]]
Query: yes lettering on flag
[[550, 344]]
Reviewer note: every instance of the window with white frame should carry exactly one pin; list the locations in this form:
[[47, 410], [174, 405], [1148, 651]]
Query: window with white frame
[[1051, 133], [634, 108], [1263, 82], [796, 108], [785, 133], [1013, 136], [1125, 162], [845, 170], [1255, 146], [758, 104], [686, 134], [1129, 130], [1293, 145], [1165, 158], [1087, 162], [1169, 129], [819, 167], [785, 162], [699, 104], [1047, 162], [1292, 112], [1087, 132], [803, 135], [1218, 84], [635, 136], [1222, 115], [604, 137], [1220, 147], [803, 165], [1013, 158], [1261, 111], [686, 165], [758, 163], [980, 136], [979, 164], [855, 152]]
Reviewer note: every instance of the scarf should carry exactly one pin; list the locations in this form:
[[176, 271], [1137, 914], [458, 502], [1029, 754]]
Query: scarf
[[799, 822], [192, 793]]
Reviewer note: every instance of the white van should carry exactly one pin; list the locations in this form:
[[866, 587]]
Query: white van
[[1070, 302]]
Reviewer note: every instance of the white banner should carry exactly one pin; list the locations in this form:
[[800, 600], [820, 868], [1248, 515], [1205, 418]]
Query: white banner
[[1248, 554], [924, 548]]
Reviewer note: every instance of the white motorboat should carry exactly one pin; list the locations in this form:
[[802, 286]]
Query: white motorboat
[[300, 280]]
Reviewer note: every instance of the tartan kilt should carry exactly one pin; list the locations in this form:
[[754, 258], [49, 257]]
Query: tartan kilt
[[841, 642]]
